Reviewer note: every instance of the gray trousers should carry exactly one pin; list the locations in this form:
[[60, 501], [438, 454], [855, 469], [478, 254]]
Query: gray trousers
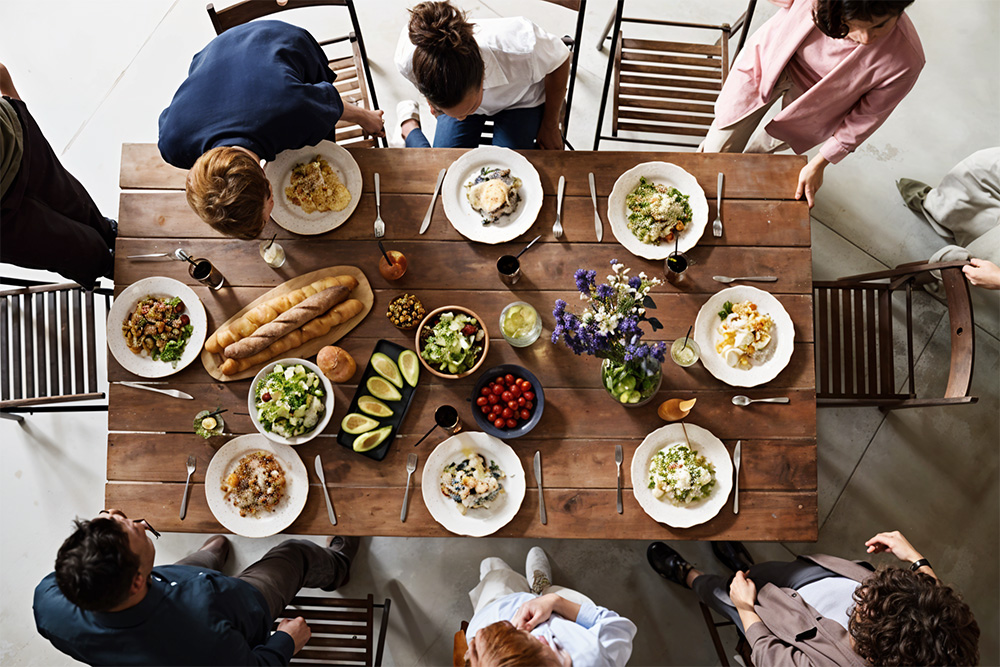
[[713, 589], [284, 570]]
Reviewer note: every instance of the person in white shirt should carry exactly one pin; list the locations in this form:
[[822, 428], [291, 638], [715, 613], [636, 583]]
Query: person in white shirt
[[541, 624], [508, 71]]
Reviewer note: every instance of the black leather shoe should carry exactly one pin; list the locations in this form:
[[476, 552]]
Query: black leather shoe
[[733, 555], [668, 563]]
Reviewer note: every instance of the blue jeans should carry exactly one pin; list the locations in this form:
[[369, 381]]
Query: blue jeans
[[512, 128]]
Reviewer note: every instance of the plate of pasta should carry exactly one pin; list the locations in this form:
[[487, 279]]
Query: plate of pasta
[[315, 188], [473, 484], [681, 475], [256, 487], [745, 335]]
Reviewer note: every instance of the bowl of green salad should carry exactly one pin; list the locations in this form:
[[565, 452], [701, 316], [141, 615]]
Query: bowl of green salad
[[452, 342], [290, 401]]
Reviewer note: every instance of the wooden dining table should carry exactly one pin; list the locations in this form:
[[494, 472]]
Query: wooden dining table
[[766, 232]]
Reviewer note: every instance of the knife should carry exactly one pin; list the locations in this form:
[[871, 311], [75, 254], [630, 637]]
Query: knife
[[326, 492], [598, 225], [538, 480], [736, 463], [169, 392], [430, 209]]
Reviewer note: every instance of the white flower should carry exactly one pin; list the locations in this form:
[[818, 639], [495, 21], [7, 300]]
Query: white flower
[[587, 318]]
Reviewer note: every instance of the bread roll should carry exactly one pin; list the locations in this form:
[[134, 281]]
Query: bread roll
[[287, 322], [336, 363], [268, 310], [314, 329]]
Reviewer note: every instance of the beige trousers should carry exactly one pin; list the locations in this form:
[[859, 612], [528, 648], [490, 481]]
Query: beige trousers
[[498, 580], [747, 135]]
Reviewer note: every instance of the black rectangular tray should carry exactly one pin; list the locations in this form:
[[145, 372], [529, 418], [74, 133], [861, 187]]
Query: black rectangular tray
[[399, 408]]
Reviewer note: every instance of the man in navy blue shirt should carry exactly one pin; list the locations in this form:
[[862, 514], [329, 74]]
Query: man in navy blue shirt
[[252, 92], [106, 604]]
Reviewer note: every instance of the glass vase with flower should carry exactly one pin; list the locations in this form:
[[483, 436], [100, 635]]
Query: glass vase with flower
[[609, 329]]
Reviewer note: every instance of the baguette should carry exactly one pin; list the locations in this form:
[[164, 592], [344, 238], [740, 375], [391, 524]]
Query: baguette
[[287, 322], [314, 329], [267, 311]]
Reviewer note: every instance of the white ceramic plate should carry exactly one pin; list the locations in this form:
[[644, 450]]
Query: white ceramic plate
[[662, 173], [263, 524], [292, 217], [142, 364], [475, 522], [467, 220], [305, 437], [703, 442], [706, 334]]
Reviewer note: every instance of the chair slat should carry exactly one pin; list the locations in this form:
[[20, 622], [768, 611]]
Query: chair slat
[[661, 117], [349, 616], [328, 655], [662, 129], [678, 47], [53, 342], [705, 68], [314, 601], [322, 628], [847, 318], [678, 83], [66, 354], [672, 93], [349, 132], [822, 341], [859, 341], [78, 340], [870, 329], [835, 356], [669, 105], [91, 341], [887, 383], [963, 339], [4, 350], [318, 641], [28, 317], [15, 345], [909, 338]]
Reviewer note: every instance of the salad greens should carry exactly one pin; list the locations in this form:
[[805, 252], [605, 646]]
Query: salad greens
[[290, 400], [454, 343], [727, 310]]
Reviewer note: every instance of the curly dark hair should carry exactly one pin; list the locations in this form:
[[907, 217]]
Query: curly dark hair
[[95, 565], [910, 618], [447, 62], [831, 16]]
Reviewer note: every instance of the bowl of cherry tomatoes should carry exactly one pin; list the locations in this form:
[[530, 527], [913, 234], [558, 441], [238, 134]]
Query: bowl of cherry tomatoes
[[508, 401]]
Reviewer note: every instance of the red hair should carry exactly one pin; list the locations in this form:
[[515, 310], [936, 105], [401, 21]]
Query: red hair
[[502, 645]]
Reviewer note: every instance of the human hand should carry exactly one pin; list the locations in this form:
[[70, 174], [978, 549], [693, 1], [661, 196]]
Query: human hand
[[983, 273], [549, 137], [372, 123], [535, 611], [895, 544], [742, 592], [297, 629], [810, 179]]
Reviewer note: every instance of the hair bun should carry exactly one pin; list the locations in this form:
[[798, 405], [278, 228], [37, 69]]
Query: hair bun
[[440, 26]]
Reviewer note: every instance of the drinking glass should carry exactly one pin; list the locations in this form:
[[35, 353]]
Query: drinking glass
[[520, 324], [685, 354], [509, 268], [446, 417], [674, 267], [204, 272], [272, 253]]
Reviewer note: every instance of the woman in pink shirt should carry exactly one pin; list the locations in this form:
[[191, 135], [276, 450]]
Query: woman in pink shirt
[[839, 66]]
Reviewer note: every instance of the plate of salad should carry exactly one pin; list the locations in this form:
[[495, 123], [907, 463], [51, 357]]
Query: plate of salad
[[156, 327], [290, 401], [452, 342]]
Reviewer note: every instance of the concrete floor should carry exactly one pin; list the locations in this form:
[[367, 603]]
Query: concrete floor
[[101, 72]]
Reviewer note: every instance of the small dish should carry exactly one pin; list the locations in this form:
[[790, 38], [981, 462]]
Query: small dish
[[328, 402], [219, 427], [536, 413], [432, 317]]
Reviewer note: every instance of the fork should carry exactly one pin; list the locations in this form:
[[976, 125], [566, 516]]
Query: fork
[[618, 462], [411, 466], [379, 225], [717, 225], [190, 470], [557, 230]]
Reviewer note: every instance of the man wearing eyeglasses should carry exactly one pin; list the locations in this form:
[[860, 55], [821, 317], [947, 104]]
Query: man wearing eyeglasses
[[107, 604]]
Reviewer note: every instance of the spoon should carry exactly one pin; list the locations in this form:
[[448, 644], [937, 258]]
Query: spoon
[[527, 246], [746, 400]]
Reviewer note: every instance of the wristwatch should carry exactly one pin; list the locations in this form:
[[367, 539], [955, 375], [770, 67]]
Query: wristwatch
[[917, 564]]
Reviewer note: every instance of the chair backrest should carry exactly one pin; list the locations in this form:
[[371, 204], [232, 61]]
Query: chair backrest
[[354, 80], [742, 647], [343, 630], [665, 88], [460, 646], [48, 340], [855, 355], [580, 7]]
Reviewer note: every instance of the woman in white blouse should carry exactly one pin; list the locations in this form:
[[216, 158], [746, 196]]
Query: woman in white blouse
[[506, 70]]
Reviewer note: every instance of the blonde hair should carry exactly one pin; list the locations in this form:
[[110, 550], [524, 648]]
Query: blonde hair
[[227, 189]]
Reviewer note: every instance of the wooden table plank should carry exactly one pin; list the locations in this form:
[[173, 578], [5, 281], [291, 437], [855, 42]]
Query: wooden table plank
[[768, 464], [572, 513], [753, 222], [446, 265], [414, 171]]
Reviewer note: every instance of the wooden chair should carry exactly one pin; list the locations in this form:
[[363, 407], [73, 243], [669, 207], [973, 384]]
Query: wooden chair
[[665, 88], [48, 340], [460, 646], [352, 86], [580, 7], [742, 647], [854, 341], [343, 630]]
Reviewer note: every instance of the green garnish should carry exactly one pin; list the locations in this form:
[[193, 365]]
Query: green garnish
[[727, 310]]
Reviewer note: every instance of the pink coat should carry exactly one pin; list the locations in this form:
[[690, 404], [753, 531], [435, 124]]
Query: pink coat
[[845, 107]]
